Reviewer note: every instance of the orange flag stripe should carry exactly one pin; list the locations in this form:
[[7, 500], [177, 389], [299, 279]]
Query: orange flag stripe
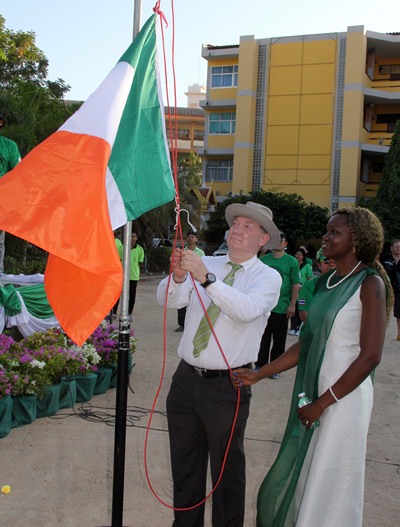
[[56, 199]]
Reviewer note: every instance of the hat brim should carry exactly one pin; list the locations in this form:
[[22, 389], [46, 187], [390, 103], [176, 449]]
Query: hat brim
[[239, 209]]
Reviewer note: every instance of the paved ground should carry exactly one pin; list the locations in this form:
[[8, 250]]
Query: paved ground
[[60, 469]]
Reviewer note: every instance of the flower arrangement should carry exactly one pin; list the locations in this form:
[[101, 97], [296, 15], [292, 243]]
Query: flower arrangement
[[43, 358], [105, 339], [5, 382]]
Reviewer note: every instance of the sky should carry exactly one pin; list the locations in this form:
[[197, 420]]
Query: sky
[[83, 39]]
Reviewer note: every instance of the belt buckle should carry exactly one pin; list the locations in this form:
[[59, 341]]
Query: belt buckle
[[199, 371]]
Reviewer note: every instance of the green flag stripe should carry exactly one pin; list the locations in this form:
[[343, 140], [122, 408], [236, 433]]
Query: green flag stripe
[[139, 159]]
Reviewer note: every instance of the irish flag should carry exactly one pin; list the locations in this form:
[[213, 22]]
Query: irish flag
[[107, 164]]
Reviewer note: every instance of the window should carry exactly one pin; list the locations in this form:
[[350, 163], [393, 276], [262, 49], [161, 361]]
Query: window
[[181, 133], [222, 123], [199, 135], [387, 118], [389, 69], [224, 76], [219, 170]]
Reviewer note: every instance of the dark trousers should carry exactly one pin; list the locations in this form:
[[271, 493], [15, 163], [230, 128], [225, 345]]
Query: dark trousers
[[295, 321], [132, 297], [181, 316], [200, 414], [276, 331]]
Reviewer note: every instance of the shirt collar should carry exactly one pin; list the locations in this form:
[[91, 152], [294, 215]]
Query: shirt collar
[[246, 264]]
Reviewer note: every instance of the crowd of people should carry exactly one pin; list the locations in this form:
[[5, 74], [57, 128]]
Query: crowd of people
[[238, 308]]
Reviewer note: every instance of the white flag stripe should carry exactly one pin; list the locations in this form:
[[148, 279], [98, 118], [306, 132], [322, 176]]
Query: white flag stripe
[[110, 98]]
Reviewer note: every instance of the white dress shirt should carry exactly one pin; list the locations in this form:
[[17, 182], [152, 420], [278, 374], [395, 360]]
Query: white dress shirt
[[245, 308]]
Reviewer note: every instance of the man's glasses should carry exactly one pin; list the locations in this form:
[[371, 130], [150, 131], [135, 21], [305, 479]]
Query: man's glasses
[[328, 261]]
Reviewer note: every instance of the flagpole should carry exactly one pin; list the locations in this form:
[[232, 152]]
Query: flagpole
[[123, 359]]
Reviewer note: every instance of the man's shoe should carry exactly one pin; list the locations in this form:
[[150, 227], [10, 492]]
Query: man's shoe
[[275, 376], [179, 329], [297, 333], [292, 332]]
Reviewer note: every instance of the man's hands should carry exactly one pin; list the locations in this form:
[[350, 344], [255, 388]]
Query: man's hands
[[184, 262]]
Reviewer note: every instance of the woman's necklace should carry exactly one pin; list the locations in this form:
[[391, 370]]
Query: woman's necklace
[[328, 282]]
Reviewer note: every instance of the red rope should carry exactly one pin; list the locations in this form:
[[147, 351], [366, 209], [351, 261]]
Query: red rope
[[173, 133]]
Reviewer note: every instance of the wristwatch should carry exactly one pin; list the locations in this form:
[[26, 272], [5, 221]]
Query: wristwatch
[[210, 279]]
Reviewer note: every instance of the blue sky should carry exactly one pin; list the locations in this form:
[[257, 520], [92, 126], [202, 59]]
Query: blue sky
[[83, 39]]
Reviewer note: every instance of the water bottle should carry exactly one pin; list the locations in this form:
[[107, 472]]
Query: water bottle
[[303, 401]]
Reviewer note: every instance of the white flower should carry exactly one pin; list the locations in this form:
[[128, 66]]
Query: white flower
[[38, 364], [89, 353]]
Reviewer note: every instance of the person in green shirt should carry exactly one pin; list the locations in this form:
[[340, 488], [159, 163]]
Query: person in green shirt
[[306, 273], [277, 326], [137, 257], [191, 245], [9, 158], [308, 259], [307, 290]]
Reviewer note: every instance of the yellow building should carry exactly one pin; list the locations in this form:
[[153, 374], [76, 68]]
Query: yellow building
[[186, 128], [310, 114]]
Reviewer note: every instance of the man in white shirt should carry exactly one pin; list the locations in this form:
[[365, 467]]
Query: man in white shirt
[[201, 403]]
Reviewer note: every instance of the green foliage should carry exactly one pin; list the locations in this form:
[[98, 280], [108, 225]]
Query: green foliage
[[158, 258], [22, 257], [300, 220], [20, 59], [189, 170], [386, 205]]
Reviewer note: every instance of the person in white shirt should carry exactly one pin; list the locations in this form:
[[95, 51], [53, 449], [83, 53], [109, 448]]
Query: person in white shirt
[[191, 245], [202, 402]]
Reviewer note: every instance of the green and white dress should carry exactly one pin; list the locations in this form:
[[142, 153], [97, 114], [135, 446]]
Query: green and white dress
[[317, 479]]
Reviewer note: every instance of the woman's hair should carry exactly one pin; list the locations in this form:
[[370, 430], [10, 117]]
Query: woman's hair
[[303, 252], [368, 239]]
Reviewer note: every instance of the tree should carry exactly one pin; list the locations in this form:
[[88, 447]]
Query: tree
[[189, 170], [33, 106], [301, 221], [160, 223], [386, 205]]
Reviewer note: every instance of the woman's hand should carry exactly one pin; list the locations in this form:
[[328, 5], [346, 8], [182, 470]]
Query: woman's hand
[[244, 377], [310, 413]]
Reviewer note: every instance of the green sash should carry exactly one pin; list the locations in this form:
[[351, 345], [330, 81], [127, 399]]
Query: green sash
[[275, 501]]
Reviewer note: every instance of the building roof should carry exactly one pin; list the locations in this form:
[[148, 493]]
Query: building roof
[[181, 110], [210, 46], [206, 195]]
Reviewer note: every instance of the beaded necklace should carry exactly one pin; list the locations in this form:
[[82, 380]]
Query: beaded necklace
[[328, 282]]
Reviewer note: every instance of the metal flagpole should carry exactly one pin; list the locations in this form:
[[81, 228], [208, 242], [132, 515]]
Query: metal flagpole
[[123, 359]]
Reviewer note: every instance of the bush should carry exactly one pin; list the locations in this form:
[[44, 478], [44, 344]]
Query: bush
[[22, 257], [158, 260]]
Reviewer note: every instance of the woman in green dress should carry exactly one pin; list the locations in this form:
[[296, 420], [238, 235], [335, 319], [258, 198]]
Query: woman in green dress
[[317, 479]]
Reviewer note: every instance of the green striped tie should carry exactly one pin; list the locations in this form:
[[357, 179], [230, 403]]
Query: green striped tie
[[203, 333]]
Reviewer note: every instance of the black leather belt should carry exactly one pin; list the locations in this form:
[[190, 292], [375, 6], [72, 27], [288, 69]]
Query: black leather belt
[[203, 372]]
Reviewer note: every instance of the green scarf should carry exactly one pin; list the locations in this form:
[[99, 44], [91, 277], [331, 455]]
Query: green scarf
[[275, 501]]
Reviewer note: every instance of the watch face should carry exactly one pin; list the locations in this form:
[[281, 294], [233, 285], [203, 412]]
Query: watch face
[[211, 277]]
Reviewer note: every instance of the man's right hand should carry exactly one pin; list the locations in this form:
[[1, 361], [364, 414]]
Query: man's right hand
[[179, 274]]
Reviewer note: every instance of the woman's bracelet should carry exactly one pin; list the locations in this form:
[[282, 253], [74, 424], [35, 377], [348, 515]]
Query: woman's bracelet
[[333, 395]]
